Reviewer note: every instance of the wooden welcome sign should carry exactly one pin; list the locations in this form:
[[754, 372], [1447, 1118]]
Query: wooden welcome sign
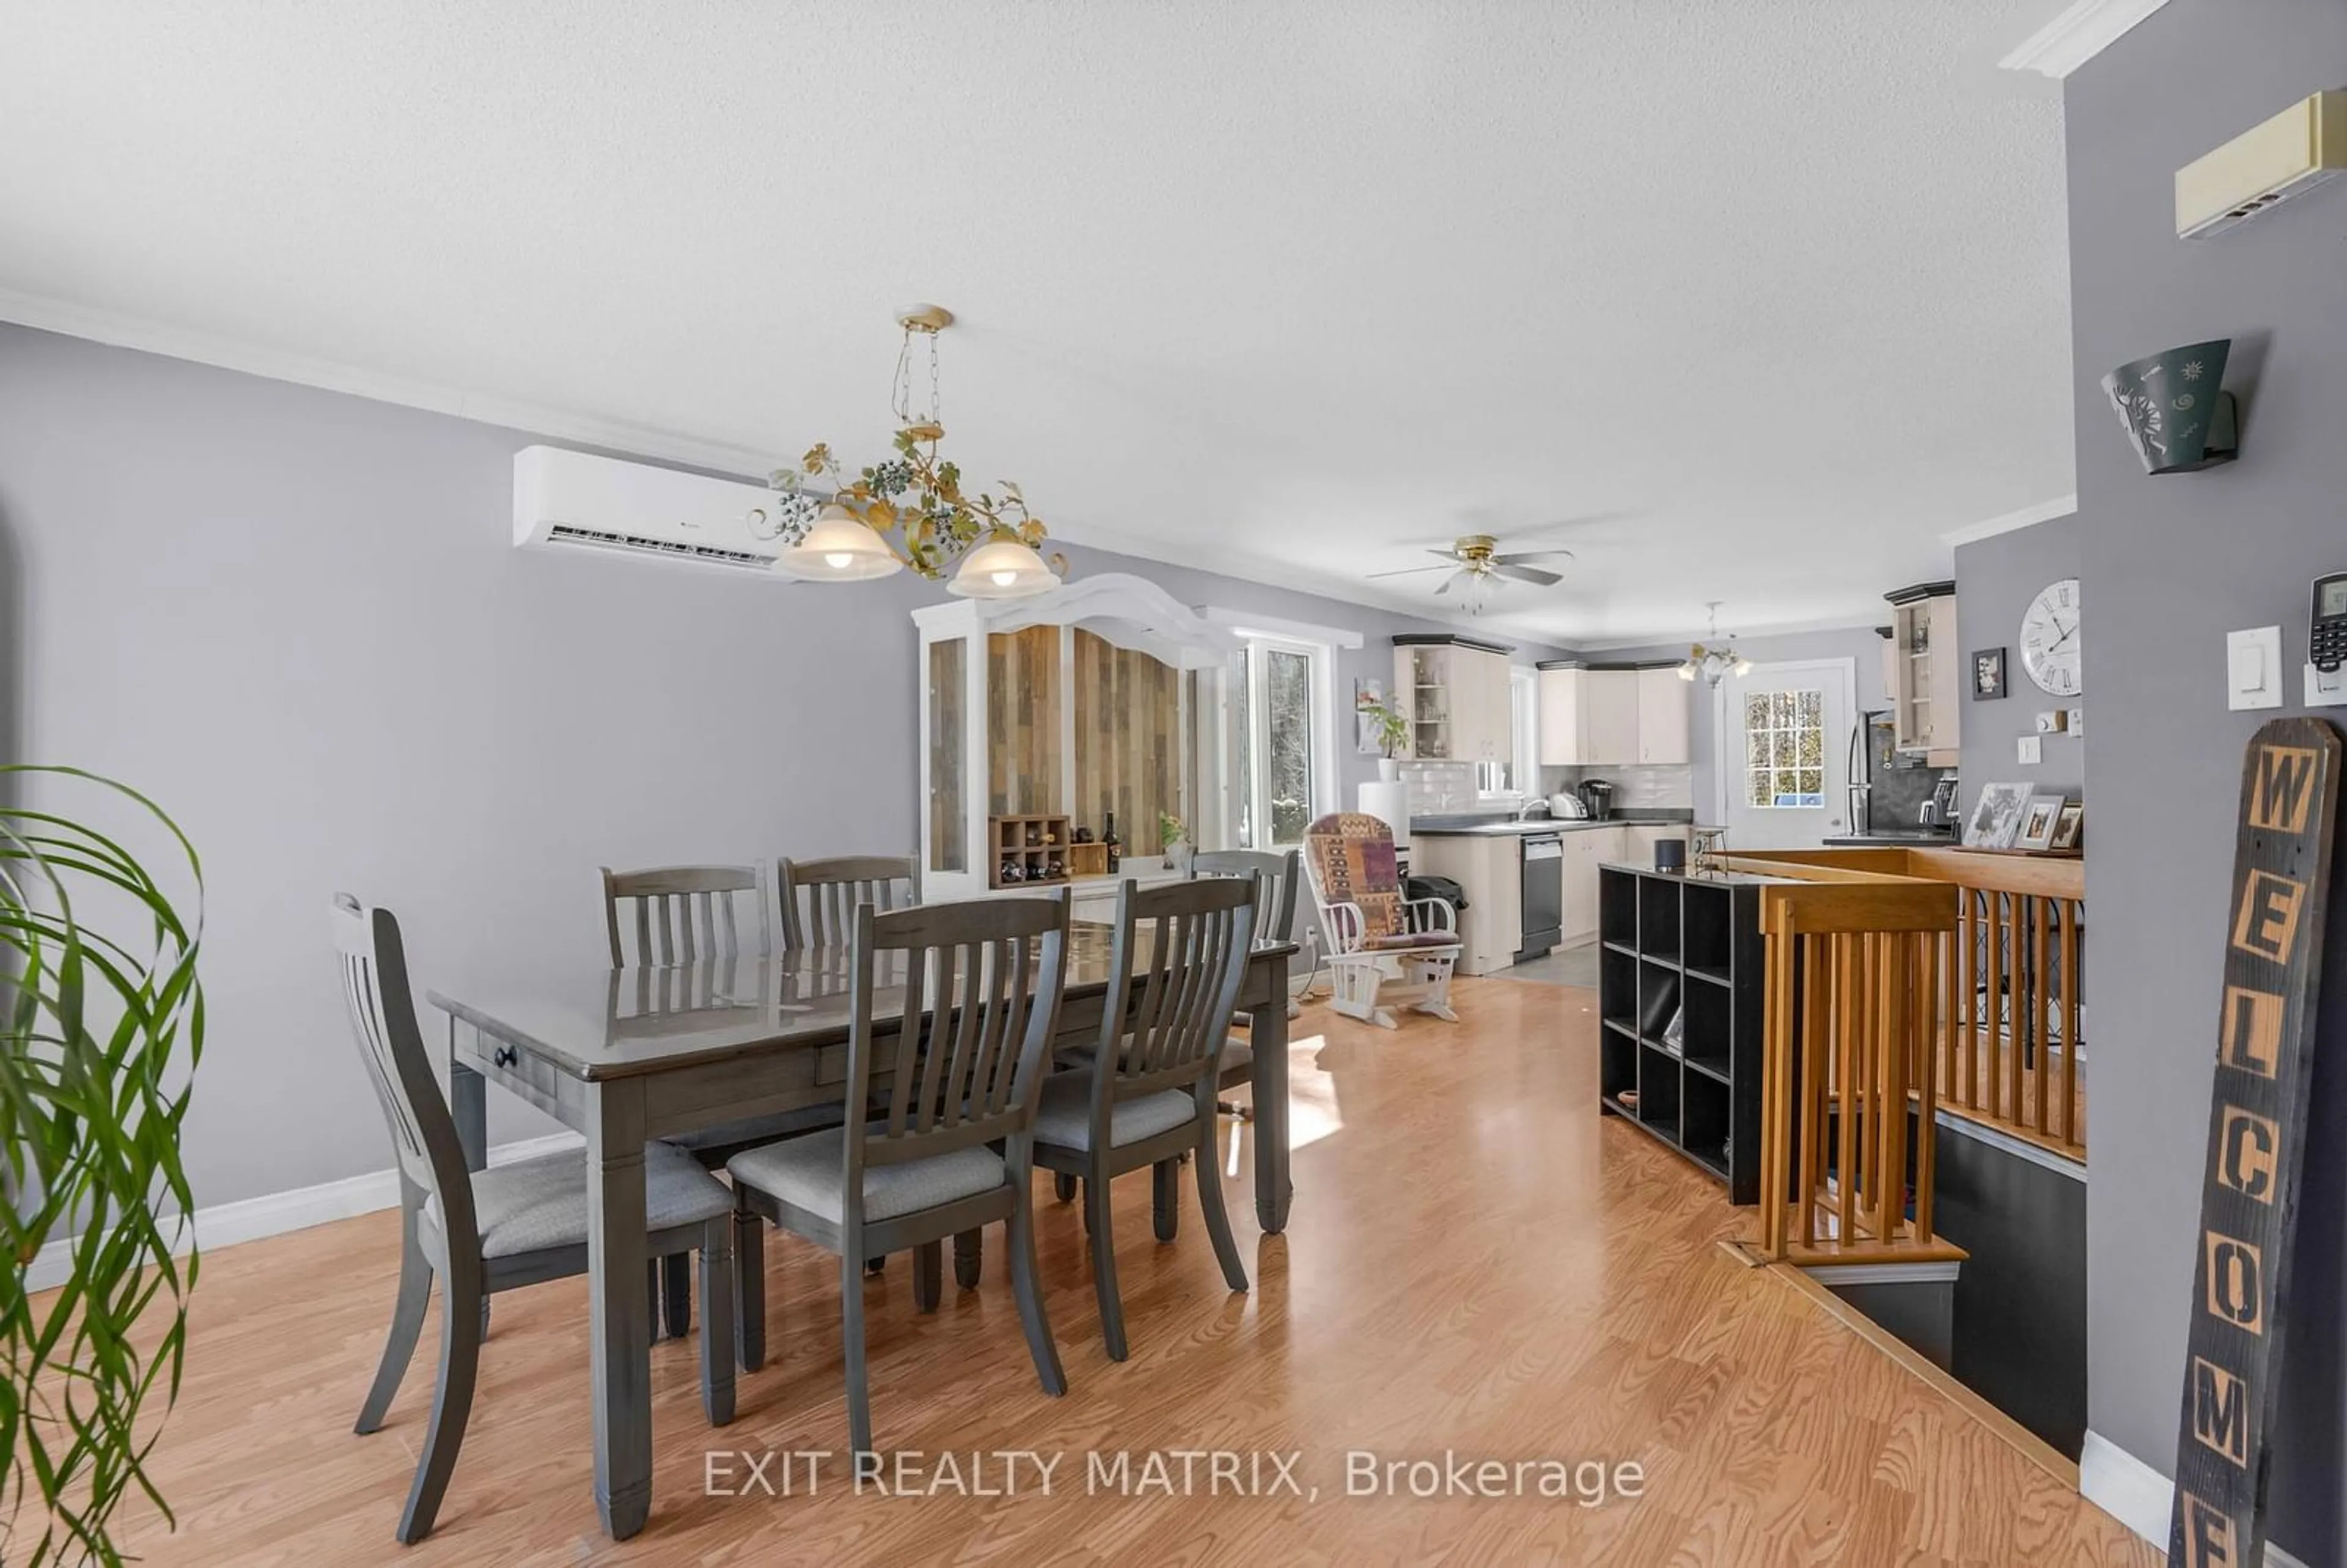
[[2257, 1129]]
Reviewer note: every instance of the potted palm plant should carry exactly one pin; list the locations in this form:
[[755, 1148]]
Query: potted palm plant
[[1393, 734], [104, 1023]]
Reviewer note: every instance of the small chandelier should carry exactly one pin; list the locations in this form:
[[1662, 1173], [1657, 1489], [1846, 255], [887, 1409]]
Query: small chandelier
[[911, 509], [1716, 661]]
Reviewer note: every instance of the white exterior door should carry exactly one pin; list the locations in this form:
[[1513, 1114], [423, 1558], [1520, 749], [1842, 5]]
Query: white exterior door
[[1784, 754]]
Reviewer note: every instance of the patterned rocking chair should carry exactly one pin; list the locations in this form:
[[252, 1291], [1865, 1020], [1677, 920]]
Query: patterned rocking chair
[[1384, 952]]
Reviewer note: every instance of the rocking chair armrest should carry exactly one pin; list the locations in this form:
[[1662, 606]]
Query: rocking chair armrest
[[1346, 927], [1443, 918]]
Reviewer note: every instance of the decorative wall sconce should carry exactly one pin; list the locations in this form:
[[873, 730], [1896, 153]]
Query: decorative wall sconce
[[2174, 412]]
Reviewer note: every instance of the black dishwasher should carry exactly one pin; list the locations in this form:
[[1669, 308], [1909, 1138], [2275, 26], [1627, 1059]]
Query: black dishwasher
[[1543, 894]]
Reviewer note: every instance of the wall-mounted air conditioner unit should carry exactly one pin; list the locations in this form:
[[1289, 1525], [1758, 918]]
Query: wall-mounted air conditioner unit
[[2301, 147], [571, 500]]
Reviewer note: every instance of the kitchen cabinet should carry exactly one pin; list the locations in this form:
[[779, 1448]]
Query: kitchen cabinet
[[1611, 718], [1454, 692], [1490, 869], [1564, 718], [1926, 669], [1585, 852], [1612, 726], [1661, 716]]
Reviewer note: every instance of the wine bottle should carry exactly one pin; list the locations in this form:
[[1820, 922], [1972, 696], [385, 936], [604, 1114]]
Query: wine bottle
[[1115, 845]]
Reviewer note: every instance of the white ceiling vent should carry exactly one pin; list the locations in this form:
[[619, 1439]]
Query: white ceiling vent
[[571, 500]]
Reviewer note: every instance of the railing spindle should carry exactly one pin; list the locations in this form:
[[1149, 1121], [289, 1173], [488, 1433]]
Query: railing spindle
[[2071, 1132]]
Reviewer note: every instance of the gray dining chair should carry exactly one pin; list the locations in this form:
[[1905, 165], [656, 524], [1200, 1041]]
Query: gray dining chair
[[1277, 874], [820, 898], [1148, 1095], [952, 1151], [481, 1232], [681, 914]]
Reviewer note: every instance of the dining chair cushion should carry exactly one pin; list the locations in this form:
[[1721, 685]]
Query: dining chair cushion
[[810, 1174], [1065, 1120], [534, 1204]]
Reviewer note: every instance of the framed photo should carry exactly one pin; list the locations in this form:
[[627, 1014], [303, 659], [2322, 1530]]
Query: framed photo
[[2037, 822], [1997, 816], [1988, 674], [2070, 826], [1366, 689]]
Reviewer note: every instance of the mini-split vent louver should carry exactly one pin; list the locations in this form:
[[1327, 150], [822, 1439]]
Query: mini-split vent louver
[[2301, 147], [571, 500]]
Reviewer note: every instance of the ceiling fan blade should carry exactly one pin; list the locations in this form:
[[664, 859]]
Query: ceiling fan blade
[[1452, 581], [1531, 574], [1515, 556], [1407, 571]]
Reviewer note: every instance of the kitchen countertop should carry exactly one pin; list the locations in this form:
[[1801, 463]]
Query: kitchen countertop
[[1504, 829], [1923, 835]]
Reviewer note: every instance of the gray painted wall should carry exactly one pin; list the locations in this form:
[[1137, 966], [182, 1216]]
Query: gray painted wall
[[2170, 565], [1997, 578], [1857, 643], [294, 619]]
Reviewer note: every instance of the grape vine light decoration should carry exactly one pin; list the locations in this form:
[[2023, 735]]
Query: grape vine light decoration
[[911, 509]]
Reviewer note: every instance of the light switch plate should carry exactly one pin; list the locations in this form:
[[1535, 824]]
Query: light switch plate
[[2030, 749], [2253, 667], [2053, 721], [2075, 722], [2326, 690]]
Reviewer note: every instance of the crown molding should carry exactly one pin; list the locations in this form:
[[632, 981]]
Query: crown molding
[[1867, 623], [121, 331], [2078, 35], [2026, 518]]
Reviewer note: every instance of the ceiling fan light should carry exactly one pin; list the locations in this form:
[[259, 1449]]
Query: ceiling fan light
[[1001, 567], [839, 548]]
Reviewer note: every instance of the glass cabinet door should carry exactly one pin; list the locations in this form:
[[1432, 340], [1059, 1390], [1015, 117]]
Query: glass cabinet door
[[948, 789]]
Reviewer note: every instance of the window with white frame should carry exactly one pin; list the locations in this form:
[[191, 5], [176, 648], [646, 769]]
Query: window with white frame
[[1784, 754], [1520, 775], [1283, 712]]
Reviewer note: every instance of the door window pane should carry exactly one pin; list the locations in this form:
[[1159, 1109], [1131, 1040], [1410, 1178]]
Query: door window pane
[[1784, 748]]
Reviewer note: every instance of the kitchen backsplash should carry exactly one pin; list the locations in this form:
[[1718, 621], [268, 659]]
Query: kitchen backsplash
[[1672, 785], [1444, 789]]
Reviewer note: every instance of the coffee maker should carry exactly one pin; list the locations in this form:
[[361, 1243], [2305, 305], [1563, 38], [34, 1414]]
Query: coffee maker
[[1598, 796]]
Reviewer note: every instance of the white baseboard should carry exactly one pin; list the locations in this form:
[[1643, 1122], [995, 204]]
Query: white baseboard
[[2138, 1496], [250, 1219]]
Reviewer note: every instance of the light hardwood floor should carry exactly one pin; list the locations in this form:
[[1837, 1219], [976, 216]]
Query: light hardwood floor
[[1477, 1263]]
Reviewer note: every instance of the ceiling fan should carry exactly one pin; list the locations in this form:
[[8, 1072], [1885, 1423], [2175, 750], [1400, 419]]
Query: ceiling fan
[[1476, 567]]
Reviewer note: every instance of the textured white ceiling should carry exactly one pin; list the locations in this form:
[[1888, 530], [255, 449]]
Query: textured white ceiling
[[1778, 287]]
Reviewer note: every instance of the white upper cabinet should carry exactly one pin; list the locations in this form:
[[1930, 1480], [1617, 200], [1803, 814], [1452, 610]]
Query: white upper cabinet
[[1611, 718], [1661, 716], [1455, 695], [1564, 740], [1612, 722], [1926, 670]]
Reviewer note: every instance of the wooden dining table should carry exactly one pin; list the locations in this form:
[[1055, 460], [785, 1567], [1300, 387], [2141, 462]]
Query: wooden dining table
[[626, 1056]]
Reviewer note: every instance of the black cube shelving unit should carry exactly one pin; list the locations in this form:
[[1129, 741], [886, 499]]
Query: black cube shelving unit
[[1684, 950]]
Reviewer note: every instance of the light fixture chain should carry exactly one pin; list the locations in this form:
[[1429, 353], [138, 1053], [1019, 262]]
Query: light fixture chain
[[937, 397]]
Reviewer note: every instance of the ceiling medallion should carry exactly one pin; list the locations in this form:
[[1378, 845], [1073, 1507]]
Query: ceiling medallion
[[910, 510], [1716, 661]]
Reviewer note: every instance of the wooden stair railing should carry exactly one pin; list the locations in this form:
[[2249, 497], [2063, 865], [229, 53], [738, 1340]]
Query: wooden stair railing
[[1855, 962], [2009, 1051]]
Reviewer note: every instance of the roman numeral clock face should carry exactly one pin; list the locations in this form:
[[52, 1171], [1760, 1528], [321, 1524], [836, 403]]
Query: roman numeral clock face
[[2049, 638]]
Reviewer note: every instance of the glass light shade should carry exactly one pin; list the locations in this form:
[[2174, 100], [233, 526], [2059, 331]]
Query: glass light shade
[[1001, 569], [1686, 671], [839, 548], [1744, 666]]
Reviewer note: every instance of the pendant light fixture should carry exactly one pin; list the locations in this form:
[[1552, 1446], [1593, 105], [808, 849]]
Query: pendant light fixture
[[911, 509], [1716, 661]]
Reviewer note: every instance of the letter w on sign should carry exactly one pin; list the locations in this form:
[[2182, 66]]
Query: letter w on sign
[[2257, 1130]]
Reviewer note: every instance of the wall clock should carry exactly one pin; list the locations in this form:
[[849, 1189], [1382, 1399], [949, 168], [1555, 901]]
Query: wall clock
[[2050, 637]]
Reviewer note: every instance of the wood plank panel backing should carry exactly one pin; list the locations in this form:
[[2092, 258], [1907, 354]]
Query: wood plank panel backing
[[1128, 713], [1024, 722], [2257, 1130]]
